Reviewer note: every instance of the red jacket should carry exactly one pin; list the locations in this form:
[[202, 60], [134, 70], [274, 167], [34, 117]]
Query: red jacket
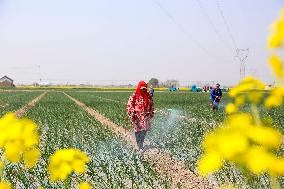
[[140, 115]]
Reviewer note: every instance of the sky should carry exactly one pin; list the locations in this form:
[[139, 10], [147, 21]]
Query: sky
[[124, 41]]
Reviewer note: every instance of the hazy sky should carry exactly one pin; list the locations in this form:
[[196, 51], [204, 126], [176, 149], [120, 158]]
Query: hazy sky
[[96, 41]]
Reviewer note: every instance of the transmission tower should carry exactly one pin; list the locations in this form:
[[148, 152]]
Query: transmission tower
[[242, 56]]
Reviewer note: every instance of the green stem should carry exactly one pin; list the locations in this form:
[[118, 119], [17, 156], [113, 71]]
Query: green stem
[[275, 183], [255, 114], [2, 170]]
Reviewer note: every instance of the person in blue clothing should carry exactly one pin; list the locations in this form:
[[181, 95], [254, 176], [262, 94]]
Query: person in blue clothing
[[151, 90], [216, 95]]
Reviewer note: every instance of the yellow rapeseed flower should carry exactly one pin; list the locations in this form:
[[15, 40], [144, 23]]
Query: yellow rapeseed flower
[[31, 157], [209, 163], [277, 66], [209, 141], [230, 145], [275, 41], [242, 139], [271, 102], [231, 108], [258, 160], [277, 32], [239, 101], [275, 99], [230, 139], [85, 185], [240, 122], [248, 89], [5, 185], [17, 136], [278, 25], [64, 162], [277, 168], [13, 151], [265, 136]]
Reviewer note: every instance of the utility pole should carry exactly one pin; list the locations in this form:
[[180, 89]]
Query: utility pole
[[39, 73]]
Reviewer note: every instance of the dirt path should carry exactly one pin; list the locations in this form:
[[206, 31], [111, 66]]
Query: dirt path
[[20, 112], [161, 160]]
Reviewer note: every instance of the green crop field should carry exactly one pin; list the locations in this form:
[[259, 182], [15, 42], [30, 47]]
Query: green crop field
[[11, 101], [142, 94], [180, 123], [113, 165]]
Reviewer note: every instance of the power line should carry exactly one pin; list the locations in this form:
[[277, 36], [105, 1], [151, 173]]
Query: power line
[[213, 26], [226, 24], [172, 18], [182, 29], [241, 54]]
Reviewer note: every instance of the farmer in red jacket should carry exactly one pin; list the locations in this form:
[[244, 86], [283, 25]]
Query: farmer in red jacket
[[140, 109]]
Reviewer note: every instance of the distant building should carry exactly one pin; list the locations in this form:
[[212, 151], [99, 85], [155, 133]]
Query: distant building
[[6, 82]]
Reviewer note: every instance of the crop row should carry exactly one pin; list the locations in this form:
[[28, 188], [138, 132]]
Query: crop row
[[62, 124], [179, 125], [11, 101], [175, 130]]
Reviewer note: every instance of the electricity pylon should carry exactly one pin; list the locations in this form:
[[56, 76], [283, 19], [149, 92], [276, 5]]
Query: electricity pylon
[[242, 56]]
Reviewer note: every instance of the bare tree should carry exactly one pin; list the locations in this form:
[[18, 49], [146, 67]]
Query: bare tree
[[171, 83], [154, 82]]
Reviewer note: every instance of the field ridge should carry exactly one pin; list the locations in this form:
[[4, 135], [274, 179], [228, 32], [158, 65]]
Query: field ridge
[[20, 112]]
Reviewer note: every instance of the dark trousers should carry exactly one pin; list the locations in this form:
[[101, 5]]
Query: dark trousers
[[140, 137]]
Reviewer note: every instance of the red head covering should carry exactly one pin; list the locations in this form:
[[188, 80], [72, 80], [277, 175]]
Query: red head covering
[[145, 95]]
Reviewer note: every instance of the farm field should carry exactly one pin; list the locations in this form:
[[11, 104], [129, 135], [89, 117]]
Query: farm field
[[11, 101], [113, 165], [181, 120], [154, 94]]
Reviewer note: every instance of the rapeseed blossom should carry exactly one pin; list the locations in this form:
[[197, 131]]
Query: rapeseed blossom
[[275, 98], [239, 140], [5, 185], [258, 160], [65, 161], [31, 157], [243, 139], [276, 38], [210, 162], [247, 91], [19, 140], [85, 185], [277, 66], [265, 136], [231, 108]]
